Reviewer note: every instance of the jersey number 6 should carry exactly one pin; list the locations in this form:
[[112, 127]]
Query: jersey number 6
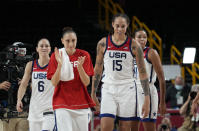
[[40, 86]]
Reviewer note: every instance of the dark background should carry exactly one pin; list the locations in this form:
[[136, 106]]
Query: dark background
[[29, 20]]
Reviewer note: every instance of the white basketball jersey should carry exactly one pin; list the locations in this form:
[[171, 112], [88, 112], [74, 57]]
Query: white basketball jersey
[[118, 62], [42, 92], [149, 68]]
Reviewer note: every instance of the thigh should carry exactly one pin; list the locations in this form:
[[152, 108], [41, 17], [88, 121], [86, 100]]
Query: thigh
[[48, 122], [126, 126], [140, 96], [35, 126], [107, 124], [63, 120], [108, 102], [22, 124], [127, 102], [135, 125], [149, 126], [153, 104], [81, 121]]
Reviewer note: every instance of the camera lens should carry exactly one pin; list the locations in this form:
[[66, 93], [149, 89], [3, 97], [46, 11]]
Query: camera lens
[[164, 126], [193, 95]]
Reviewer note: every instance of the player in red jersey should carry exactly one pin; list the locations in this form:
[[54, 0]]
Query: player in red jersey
[[71, 100]]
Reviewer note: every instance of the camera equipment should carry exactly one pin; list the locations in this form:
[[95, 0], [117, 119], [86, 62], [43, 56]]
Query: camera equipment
[[164, 126], [15, 54], [193, 95], [13, 60]]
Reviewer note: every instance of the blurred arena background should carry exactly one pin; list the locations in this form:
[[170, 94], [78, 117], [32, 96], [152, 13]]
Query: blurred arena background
[[172, 26]]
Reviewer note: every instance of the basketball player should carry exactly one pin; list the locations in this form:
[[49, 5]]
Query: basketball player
[[41, 115], [153, 67], [119, 99], [69, 71]]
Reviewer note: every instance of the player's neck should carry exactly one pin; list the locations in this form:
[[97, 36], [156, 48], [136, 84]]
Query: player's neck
[[118, 39], [43, 61], [70, 52]]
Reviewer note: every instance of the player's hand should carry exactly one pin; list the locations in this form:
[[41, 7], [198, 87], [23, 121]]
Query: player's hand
[[95, 99], [146, 106], [19, 106], [162, 108], [58, 57], [81, 60], [5, 85]]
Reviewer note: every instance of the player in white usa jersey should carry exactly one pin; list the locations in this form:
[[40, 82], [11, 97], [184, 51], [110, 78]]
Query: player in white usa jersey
[[41, 115], [114, 53], [153, 67]]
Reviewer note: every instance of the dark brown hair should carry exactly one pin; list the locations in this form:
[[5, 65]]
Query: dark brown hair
[[137, 30], [67, 30], [128, 32]]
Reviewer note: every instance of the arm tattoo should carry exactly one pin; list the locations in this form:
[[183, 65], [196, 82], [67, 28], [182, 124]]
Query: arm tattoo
[[140, 62], [98, 64], [96, 81], [145, 86], [100, 45]]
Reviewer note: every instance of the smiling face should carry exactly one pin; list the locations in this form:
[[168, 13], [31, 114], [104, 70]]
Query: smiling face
[[141, 37], [69, 40], [120, 26], [43, 47]]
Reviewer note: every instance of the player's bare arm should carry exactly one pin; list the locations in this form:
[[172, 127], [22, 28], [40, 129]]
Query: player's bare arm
[[137, 50], [98, 64], [23, 85], [98, 70], [155, 60]]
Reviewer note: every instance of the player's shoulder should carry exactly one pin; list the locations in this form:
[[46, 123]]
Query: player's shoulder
[[30, 63], [103, 39], [152, 52]]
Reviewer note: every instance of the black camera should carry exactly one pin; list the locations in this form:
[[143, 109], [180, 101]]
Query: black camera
[[164, 127], [13, 60], [16, 55], [193, 94]]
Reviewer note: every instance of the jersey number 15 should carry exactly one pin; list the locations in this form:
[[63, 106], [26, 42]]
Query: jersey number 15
[[117, 65]]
